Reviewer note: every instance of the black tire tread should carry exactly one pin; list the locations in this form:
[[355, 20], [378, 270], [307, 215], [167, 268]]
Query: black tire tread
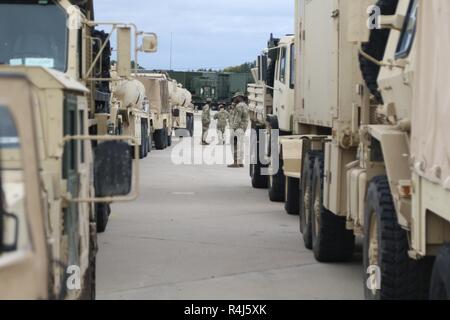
[[402, 277], [334, 243], [440, 280], [278, 185], [305, 227], [292, 205]]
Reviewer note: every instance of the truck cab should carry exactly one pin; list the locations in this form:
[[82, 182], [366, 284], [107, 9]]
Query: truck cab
[[24, 256], [284, 82], [51, 44]]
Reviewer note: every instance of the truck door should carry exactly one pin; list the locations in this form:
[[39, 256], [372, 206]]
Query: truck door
[[24, 259], [284, 87], [320, 61], [70, 174]]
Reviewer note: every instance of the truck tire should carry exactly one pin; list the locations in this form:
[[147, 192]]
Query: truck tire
[[102, 212], [440, 279], [292, 205], [149, 143], [332, 242], [376, 48], [190, 124], [394, 275], [277, 184], [169, 138], [89, 283], [305, 198], [259, 181], [160, 137], [142, 149]]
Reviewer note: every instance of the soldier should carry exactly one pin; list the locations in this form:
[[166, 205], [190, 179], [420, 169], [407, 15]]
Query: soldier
[[238, 124], [222, 117], [206, 121]]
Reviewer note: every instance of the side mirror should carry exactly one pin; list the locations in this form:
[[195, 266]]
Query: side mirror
[[149, 43], [113, 169]]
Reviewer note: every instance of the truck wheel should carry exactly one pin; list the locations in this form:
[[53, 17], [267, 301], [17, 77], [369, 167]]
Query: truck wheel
[[160, 137], [305, 198], [142, 149], [332, 242], [142, 146], [102, 212], [440, 280], [149, 143], [277, 185], [292, 205], [190, 124], [89, 283], [376, 48], [89, 279], [259, 181], [391, 273], [147, 140], [169, 138]]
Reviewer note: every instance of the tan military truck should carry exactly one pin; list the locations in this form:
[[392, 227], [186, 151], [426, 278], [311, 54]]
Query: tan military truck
[[24, 256], [271, 106], [131, 113], [157, 93], [182, 109], [52, 44], [362, 149]]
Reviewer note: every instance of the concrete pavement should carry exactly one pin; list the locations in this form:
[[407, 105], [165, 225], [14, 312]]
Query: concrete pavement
[[202, 232]]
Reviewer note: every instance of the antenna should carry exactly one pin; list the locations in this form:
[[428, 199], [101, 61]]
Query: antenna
[[171, 48]]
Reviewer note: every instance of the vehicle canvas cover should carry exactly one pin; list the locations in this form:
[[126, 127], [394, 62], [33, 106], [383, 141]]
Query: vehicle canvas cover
[[157, 94], [431, 104]]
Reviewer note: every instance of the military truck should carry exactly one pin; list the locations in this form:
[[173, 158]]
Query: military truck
[[156, 87], [53, 47], [361, 149], [24, 254], [131, 115], [182, 109], [220, 87], [271, 106]]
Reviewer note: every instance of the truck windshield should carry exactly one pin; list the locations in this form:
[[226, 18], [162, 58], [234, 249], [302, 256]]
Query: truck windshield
[[33, 33], [409, 31]]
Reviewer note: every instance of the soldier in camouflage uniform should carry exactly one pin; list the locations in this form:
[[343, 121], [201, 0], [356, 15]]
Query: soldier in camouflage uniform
[[239, 124], [206, 121], [222, 118]]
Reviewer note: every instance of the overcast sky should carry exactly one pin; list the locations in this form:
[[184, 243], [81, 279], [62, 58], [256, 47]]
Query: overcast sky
[[206, 33]]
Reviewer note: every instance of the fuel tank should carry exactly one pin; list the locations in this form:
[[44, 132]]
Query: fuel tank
[[131, 93]]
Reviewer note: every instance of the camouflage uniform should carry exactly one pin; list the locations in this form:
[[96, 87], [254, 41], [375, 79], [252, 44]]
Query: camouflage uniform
[[222, 117], [239, 124], [206, 121]]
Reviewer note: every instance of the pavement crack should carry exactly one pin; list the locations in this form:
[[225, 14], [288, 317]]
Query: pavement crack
[[206, 243], [209, 278]]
